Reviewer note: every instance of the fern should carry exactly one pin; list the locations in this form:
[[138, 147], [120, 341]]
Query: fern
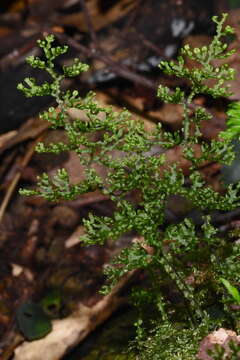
[[178, 251], [233, 121]]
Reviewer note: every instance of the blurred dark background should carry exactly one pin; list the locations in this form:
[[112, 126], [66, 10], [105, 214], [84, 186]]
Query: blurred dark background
[[122, 40]]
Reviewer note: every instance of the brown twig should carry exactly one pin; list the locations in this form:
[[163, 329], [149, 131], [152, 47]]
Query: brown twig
[[17, 177], [135, 12], [116, 67], [89, 23], [16, 54]]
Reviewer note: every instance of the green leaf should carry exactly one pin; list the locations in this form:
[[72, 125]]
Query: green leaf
[[32, 321], [233, 121], [231, 289], [51, 303]]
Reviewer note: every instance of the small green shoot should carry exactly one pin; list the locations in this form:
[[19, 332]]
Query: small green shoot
[[232, 290]]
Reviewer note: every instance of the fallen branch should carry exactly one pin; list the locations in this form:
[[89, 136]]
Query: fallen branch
[[69, 332]]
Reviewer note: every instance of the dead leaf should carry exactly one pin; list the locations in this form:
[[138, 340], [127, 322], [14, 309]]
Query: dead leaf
[[99, 19], [170, 114], [220, 337]]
